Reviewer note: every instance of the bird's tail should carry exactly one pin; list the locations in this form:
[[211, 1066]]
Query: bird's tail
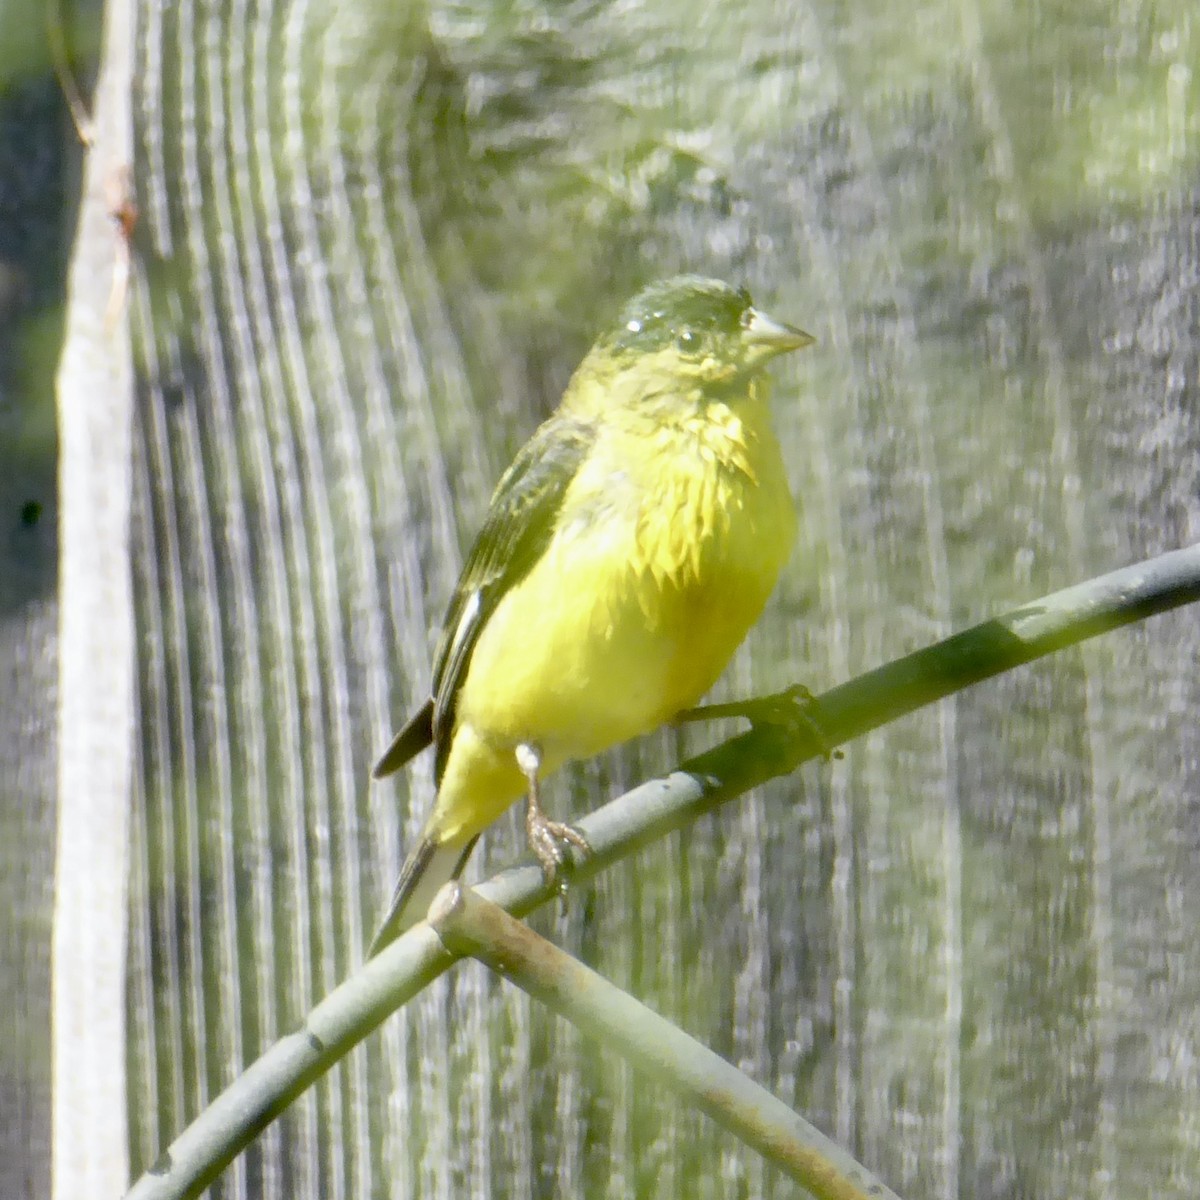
[[430, 865]]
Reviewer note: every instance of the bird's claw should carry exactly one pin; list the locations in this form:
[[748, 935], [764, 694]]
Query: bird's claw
[[793, 708], [789, 707], [548, 840]]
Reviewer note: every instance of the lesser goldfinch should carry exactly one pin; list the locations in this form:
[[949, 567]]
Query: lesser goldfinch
[[626, 551]]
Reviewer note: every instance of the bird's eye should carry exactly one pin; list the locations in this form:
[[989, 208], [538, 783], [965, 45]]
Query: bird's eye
[[688, 341]]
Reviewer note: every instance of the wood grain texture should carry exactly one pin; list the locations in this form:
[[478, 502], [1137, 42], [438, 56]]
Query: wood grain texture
[[375, 238], [96, 685]]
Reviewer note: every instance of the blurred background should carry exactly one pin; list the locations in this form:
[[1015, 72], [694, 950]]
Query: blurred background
[[374, 240]]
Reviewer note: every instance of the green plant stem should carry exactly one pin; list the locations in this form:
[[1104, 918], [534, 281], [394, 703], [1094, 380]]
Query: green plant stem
[[358, 1006], [468, 924]]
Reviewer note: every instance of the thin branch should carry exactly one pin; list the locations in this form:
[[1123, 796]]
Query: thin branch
[[468, 924], [358, 1006], [81, 118]]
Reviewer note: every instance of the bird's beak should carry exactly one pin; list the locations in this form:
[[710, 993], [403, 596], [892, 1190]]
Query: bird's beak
[[770, 337]]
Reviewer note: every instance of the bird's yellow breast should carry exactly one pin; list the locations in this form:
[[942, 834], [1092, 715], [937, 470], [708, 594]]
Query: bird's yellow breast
[[669, 541]]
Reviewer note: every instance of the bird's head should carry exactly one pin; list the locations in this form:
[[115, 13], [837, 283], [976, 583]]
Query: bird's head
[[688, 333]]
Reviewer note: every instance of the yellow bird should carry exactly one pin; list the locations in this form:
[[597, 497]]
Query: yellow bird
[[627, 550]]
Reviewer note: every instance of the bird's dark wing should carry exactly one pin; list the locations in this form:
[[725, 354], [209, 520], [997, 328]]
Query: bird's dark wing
[[516, 531], [410, 741]]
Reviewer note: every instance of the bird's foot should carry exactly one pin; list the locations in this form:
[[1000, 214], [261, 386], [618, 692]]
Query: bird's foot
[[547, 839], [793, 708]]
